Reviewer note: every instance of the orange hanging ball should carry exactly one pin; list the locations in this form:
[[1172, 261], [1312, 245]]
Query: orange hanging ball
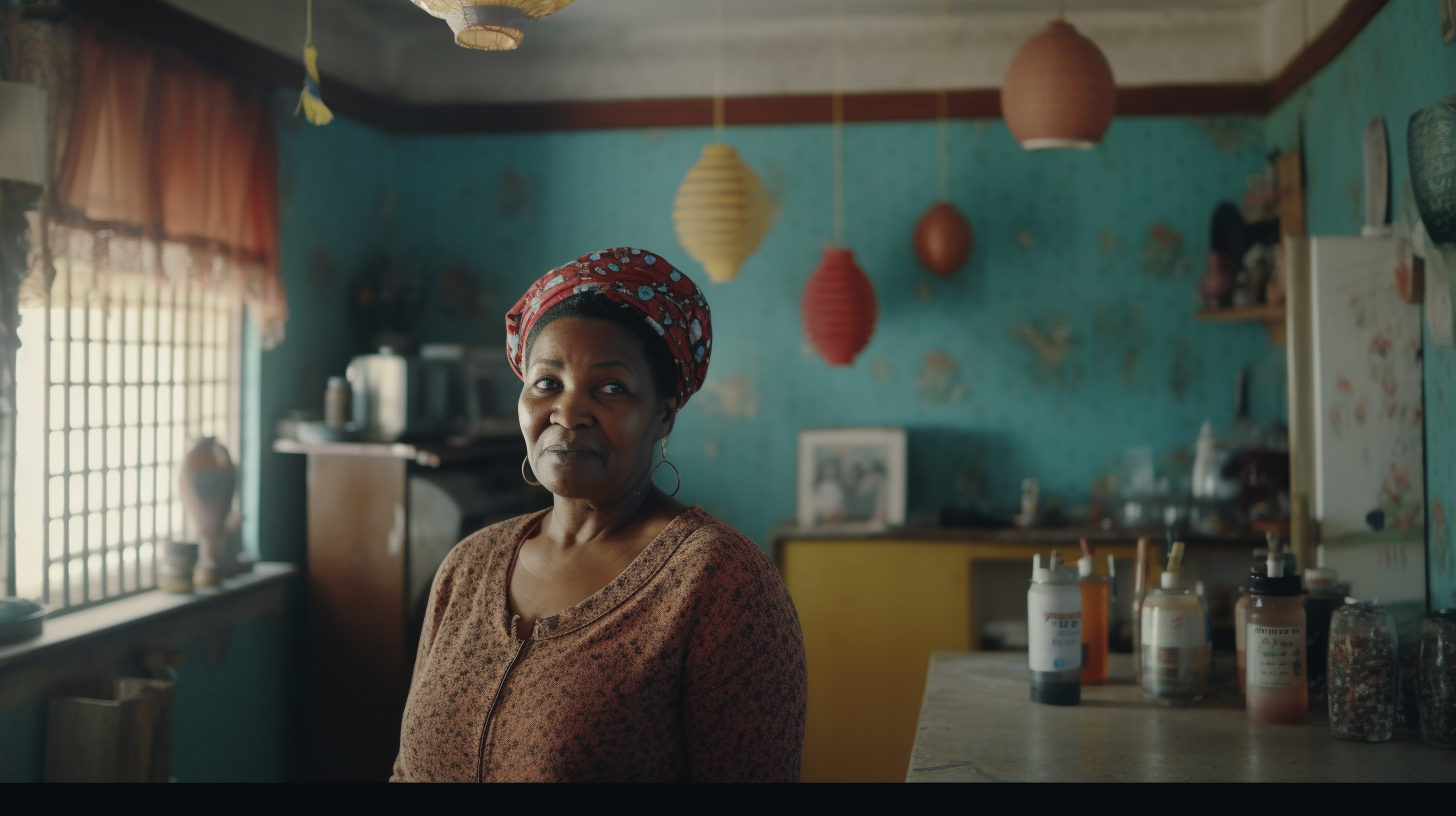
[[1059, 93], [839, 308], [943, 239]]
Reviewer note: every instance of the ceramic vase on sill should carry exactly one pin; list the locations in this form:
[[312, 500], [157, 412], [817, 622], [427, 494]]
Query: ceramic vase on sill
[[207, 481]]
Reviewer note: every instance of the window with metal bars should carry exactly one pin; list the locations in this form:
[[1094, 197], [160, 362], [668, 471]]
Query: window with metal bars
[[116, 376]]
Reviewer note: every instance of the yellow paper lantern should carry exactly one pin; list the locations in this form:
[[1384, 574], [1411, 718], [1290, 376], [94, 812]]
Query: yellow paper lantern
[[490, 25], [722, 212]]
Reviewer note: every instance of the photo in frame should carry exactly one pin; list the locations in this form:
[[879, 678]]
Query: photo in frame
[[852, 478]]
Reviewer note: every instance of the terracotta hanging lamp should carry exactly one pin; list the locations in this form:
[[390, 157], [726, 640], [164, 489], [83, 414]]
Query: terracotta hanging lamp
[[943, 238], [838, 308], [490, 25], [1059, 93]]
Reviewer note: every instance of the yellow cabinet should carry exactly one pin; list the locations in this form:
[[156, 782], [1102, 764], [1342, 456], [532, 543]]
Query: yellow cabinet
[[873, 610]]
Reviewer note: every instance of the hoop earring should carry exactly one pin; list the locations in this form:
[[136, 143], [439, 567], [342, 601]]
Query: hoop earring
[[675, 471], [525, 478]]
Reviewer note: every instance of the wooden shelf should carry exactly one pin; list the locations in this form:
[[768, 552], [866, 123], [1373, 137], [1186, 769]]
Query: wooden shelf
[[1272, 317]]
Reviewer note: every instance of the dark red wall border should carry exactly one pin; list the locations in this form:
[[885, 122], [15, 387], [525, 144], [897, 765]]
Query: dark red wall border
[[231, 52]]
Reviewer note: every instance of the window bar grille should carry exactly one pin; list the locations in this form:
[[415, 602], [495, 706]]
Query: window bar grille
[[173, 352], [45, 454]]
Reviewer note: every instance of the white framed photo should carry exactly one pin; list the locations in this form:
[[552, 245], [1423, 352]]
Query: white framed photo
[[852, 478]]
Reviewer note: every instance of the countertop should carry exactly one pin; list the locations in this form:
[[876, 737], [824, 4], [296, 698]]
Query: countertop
[[977, 724]]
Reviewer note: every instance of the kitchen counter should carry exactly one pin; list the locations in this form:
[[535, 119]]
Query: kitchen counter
[[977, 724]]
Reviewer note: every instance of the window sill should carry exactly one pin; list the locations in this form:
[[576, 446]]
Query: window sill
[[108, 636]]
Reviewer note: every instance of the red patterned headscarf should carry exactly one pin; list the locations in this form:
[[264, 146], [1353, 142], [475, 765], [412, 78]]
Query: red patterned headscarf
[[670, 303]]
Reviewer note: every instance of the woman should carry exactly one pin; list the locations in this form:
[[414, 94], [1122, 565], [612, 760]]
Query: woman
[[618, 635]]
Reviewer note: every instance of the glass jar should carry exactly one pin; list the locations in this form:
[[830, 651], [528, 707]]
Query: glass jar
[[1363, 675], [1437, 678]]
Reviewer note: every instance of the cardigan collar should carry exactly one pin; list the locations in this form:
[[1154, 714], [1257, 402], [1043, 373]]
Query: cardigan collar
[[617, 591]]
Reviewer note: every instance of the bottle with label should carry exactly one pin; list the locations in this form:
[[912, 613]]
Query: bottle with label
[[1054, 633], [1096, 596], [1276, 683], [338, 407], [1174, 639]]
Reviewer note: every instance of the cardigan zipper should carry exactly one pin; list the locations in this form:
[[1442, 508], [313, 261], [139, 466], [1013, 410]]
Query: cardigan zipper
[[490, 712]]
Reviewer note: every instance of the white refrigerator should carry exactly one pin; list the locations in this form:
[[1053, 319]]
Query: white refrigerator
[[1356, 418]]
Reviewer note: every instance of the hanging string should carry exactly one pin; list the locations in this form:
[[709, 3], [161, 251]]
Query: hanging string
[[837, 116], [308, 30], [941, 109], [718, 114]]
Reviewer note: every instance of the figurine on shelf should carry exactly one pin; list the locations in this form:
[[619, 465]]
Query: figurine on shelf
[[207, 481], [1217, 286]]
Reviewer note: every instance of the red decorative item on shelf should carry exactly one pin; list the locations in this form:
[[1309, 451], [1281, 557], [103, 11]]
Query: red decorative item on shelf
[[839, 308], [1217, 286], [1059, 93], [943, 239]]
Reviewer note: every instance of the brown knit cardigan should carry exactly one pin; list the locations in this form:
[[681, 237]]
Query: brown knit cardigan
[[688, 666]]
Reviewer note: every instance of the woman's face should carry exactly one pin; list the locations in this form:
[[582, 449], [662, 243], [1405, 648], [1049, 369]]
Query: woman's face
[[589, 410]]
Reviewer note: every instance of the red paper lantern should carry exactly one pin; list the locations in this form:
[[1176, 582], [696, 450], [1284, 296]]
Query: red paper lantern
[[839, 308], [1059, 93]]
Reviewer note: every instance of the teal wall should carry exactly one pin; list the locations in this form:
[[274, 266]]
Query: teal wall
[[1107, 245], [1395, 67]]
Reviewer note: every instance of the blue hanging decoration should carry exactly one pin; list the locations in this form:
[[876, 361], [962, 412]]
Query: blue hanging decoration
[[310, 101]]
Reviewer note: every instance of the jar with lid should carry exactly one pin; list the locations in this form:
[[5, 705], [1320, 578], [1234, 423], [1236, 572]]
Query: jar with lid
[[1437, 678], [1174, 639], [1276, 684], [1363, 677]]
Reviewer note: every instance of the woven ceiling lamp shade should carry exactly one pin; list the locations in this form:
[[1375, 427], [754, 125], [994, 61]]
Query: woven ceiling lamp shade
[[839, 308], [721, 213], [490, 25], [1059, 93]]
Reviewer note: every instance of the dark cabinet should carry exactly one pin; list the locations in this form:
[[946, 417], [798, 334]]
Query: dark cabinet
[[381, 518]]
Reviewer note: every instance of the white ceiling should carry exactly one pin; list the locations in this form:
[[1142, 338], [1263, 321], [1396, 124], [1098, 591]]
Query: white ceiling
[[633, 49]]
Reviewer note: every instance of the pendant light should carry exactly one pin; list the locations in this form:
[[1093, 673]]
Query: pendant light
[[1059, 93], [943, 238], [490, 25], [721, 213], [839, 306]]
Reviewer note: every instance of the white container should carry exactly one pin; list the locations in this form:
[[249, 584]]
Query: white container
[[1054, 634]]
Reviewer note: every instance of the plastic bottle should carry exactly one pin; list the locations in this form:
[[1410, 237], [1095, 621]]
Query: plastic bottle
[[1096, 594], [1276, 689], [1205, 459], [337, 403], [1174, 639], [1054, 633]]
